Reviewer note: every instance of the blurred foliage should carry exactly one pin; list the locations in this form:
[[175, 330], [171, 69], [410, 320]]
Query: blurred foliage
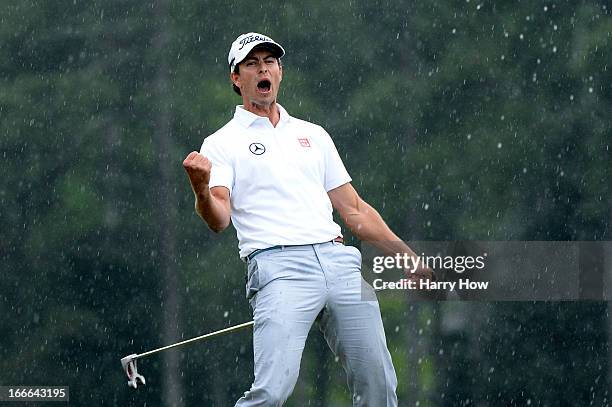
[[456, 119]]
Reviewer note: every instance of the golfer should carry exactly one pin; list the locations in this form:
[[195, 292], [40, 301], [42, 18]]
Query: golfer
[[277, 178]]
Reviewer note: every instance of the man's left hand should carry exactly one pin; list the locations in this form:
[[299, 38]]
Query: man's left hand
[[424, 273]]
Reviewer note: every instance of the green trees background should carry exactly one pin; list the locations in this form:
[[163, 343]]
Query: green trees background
[[456, 119]]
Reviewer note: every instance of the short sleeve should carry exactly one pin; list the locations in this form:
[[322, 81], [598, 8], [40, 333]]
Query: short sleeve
[[222, 171], [335, 172]]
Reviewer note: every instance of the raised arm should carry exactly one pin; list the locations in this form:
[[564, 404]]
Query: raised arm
[[212, 204]]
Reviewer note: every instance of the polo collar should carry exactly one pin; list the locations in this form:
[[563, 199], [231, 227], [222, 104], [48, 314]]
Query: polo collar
[[246, 118]]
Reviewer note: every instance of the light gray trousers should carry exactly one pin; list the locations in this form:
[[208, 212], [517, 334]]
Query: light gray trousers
[[287, 288]]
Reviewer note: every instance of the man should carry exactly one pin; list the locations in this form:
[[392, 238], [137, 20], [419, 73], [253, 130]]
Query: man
[[276, 178]]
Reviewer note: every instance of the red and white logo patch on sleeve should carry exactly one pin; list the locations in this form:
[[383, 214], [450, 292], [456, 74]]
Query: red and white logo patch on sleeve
[[304, 142]]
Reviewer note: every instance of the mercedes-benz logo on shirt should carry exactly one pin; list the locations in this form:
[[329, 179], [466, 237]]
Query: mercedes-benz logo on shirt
[[257, 148]]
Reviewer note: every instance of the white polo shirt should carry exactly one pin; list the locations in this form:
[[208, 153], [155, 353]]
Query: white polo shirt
[[278, 178]]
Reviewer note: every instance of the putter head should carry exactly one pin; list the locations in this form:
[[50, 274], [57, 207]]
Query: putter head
[[129, 365]]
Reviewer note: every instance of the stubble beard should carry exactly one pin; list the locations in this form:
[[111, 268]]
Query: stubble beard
[[261, 104]]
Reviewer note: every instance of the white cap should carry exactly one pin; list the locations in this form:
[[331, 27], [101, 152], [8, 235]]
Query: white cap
[[246, 42]]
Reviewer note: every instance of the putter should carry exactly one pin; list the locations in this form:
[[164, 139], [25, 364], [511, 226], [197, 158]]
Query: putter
[[129, 365], [129, 362]]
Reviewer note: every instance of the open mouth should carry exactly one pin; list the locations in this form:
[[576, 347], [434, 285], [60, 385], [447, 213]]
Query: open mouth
[[263, 86]]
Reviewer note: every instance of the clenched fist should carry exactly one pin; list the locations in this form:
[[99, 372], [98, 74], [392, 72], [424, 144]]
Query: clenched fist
[[198, 169]]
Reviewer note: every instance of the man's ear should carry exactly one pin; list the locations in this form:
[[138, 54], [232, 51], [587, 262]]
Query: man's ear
[[280, 69], [235, 78]]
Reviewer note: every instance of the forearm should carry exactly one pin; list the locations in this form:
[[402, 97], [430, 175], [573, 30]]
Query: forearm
[[367, 224], [213, 205], [211, 209]]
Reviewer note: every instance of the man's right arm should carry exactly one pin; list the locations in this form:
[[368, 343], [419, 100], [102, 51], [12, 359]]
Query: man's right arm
[[212, 204]]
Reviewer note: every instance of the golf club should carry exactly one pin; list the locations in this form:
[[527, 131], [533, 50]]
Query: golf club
[[129, 362]]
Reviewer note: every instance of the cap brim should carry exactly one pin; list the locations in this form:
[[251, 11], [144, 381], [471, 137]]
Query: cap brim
[[276, 50]]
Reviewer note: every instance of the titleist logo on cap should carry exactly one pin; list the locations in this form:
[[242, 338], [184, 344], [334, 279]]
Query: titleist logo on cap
[[251, 38]]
